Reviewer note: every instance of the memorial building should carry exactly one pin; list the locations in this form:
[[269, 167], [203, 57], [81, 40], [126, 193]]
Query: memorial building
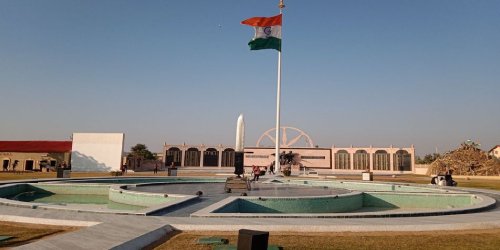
[[337, 159]]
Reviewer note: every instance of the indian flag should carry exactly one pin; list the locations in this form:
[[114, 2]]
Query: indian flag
[[267, 32]]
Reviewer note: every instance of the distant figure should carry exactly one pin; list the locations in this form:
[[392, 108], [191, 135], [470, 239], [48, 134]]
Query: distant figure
[[14, 165], [256, 173], [449, 180], [122, 168], [289, 158], [156, 168], [282, 158], [434, 180], [271, 167]]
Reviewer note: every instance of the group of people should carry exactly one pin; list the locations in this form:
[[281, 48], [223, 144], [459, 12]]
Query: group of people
[[444, 180], [257, 171], [286, 158]]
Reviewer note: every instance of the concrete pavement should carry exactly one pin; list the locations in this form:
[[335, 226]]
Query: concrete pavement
[[109, 231]]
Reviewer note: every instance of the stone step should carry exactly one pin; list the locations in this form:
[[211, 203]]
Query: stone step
[[234, 184]]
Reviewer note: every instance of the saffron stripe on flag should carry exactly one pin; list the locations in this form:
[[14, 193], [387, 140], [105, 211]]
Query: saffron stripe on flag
[[263, 21]]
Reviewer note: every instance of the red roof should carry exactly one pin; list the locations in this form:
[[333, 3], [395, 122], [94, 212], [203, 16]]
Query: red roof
[[36, 146], [493, 148]]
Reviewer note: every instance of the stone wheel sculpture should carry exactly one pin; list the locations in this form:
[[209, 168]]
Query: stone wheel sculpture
[[290, 138]]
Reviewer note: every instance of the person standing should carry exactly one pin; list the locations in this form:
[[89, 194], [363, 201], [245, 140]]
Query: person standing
[[282, 158], [271, 167], [156, 168], [14, 165], [256, 173]]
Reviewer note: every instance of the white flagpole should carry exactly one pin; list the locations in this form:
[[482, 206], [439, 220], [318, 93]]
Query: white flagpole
[[278, 95]]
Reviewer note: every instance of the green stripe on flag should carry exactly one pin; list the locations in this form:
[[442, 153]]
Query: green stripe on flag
[[265, 43]]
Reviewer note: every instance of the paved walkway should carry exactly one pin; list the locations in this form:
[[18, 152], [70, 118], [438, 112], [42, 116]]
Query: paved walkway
[[133, 232]]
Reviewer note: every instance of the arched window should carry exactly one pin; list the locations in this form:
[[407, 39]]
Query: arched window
[[173, 155], [228, 157], [5, 164], [402, 160], [211, 157], [361, 160], [342, 160], [29, 165], [381, 160], [192, 158]]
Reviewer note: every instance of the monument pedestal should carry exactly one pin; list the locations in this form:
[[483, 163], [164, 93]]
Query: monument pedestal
[[295, 169], [367, 176], [237, 185]]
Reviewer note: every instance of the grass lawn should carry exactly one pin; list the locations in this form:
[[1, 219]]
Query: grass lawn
[[4, 176], [26, 233], [423, 179], [419, 179], [469, 239]]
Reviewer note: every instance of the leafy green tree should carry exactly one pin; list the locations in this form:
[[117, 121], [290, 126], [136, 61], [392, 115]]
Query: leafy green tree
[[141, 151], [428, 158], [418, 160]]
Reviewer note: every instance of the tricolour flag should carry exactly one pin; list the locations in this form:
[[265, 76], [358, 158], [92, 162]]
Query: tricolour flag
[[267, 32]]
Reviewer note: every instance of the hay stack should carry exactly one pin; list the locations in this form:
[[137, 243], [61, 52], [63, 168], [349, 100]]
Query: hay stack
[[468, 159]]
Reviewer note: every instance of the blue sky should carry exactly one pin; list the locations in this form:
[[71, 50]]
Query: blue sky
[[355, 72]]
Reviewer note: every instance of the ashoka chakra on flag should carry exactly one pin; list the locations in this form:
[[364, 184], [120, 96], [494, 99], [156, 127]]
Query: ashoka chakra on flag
[[267, 32]]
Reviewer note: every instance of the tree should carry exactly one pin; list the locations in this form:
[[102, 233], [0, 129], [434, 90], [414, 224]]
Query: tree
[[428, 158], [141, 151]]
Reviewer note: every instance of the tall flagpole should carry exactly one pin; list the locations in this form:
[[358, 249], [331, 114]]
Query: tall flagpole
[[278, 95]]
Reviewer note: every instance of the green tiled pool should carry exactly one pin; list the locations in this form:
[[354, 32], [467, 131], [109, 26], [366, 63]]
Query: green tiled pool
[[365, 186], [84, 200], [273, 198], [354, 202], [89, 197], [137, 180]]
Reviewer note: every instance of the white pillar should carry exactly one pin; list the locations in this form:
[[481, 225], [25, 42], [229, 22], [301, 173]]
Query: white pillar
[[391, 160], [183, 155], [220, 158], [202, 156]]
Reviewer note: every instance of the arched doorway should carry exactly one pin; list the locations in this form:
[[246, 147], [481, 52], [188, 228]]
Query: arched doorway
[[228, 157], [5, 164], [402, 160], [381, 160], [192, 158], [28, 166], [211, 157], [173, 154], [361, 160], [342, 160]]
